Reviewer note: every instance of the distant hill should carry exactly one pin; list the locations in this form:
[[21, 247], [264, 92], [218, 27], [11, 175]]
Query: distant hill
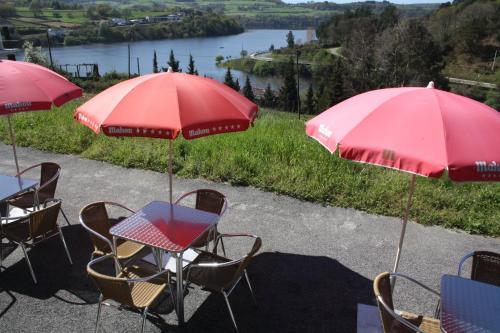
[[250, 13]]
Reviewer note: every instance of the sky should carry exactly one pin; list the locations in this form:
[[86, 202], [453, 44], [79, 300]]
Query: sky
[[393, 1]]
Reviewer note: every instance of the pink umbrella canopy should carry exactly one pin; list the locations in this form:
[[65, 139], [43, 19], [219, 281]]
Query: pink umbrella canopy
[[423, 131], [419, 130], [165, 105], [29, 87]]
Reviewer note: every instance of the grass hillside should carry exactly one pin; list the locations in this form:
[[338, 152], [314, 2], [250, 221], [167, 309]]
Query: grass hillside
[[275, 155]]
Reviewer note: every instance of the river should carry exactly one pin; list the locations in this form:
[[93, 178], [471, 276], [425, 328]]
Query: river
[[111, 57]]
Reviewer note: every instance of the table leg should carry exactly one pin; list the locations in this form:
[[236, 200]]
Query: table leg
[[158, 254], [180, 289]]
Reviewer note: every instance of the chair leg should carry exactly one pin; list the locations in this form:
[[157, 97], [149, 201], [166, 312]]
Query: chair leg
[[437, 312], [98, 313], [65, 247], [144, 315], [250, 287], [222, 245], [230, 311], [29, 263], [65, 217]]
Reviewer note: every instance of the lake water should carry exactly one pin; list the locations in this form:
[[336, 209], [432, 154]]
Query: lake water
[[204, 50]]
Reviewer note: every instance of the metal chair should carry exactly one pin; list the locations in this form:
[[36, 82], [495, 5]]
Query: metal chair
[[34, 228], [220, 274], [134, 286], [95, 219], [485, 266], [403, 322], [210, 201], [30, 200]]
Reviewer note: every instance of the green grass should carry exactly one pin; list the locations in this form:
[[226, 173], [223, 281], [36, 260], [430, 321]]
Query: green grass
[[276, 156]]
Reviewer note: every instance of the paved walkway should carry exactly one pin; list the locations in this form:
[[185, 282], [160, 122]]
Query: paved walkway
[[316, 263]]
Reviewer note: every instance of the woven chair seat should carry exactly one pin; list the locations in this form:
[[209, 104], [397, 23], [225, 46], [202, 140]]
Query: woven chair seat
[[212, 279], [125, 249], [426, 324], [143, 293]]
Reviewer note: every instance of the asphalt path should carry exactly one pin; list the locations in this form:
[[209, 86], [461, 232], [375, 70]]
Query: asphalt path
[[316, 263]]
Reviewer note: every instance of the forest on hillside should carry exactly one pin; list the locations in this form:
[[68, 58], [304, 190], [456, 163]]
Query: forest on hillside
[[377, 49]]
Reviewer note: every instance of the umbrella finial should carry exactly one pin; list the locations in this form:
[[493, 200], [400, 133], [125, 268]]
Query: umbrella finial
[[431, 84], [170, 70]]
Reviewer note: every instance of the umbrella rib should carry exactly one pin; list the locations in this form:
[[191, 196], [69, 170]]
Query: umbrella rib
[[444, 128]]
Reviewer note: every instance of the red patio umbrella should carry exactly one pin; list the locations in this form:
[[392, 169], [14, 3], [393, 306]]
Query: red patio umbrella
[[165, 105], [29, 87], [423, 131]]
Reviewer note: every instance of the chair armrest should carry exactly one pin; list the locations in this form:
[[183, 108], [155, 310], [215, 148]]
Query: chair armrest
[[118, 205], [48, 182], [151, 277], [416, 282], [462, 261], [398, 317], [134, 280], [220, 237], [178, 200], [28, 169]]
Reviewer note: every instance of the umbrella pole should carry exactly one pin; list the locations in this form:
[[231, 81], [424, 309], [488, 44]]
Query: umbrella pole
[[170, 148], [13, 139], [403, 228]]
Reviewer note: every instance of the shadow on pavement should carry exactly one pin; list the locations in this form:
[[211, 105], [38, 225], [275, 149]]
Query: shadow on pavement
[[53, 269], [295, 293]]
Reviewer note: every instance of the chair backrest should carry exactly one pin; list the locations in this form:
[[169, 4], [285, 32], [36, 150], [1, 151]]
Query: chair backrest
[[49, 176], [114, 288], [382, 289], [95, 217], [35, 224], [243, 264], [210, 201], [486, 267]]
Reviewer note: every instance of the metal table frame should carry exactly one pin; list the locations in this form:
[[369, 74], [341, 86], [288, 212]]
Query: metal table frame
[[177, 250]]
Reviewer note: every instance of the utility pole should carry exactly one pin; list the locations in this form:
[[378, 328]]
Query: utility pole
[[138, 67], [128, 47], [50, 50], [298, 85]]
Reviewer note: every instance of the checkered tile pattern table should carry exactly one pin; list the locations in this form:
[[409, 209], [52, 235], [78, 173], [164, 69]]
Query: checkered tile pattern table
[[165, 226], [469, 306]]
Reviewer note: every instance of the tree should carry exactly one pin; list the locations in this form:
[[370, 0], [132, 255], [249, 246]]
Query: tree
[[36, 8], [237, 85], [408, 55], [7, 10], [243, 53], [155, 63], [288, 92], [34, 54], [191, 69], [269, 99], [219, 59], [172, 62], [290, 39], [271, 48], [248, 90], [228, 79], [310, 102]]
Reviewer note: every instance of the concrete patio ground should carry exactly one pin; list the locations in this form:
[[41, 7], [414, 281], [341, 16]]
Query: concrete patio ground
[[316, 264]]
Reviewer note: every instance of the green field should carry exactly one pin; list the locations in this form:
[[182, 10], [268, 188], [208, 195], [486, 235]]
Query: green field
[[276, 156]]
